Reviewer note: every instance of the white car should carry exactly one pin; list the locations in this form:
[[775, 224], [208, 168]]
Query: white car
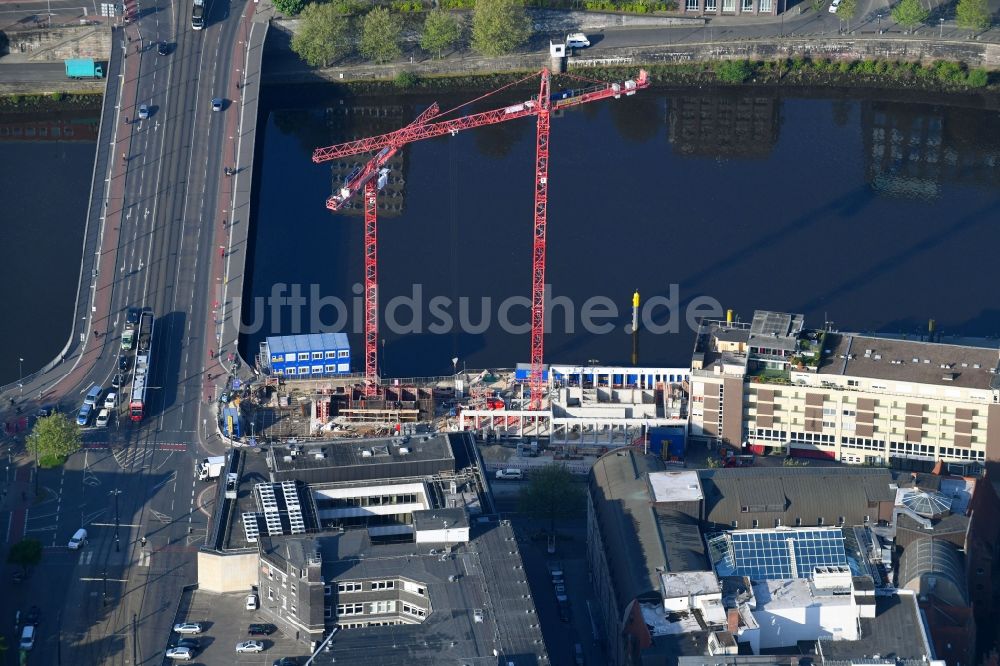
[[102, 418], [188, 628], [834, 5], [143, 112], [578, 40], [251, 602], [250, 646], [180, 653], [111, 401]]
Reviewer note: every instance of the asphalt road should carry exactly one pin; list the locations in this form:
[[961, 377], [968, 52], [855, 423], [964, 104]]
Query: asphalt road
[[92, 598]]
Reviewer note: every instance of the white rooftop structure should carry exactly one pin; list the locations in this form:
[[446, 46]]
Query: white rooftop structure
[[689, 584], [676, 486]]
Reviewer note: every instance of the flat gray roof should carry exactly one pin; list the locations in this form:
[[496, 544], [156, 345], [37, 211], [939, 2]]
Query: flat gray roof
[[486, 579], [894, 633], [910, 361]]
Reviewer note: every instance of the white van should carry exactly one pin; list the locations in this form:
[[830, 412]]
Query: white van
[[577, 40], [79, 538], [510, 473], [28, 637]]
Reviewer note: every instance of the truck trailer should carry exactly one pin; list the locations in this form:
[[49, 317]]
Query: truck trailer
[[211, 468], [83, 68]]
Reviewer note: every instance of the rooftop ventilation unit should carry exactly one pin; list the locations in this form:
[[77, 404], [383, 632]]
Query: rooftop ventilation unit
[[366, 453]]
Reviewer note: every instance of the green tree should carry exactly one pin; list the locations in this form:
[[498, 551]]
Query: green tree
[[909, 13], [441, 32], [25, 553], [818, 5], [380, 33], [973, 14], [499, 26], [733, 71], [53, 438], [846, 10], [322, 38], [551, 493], [289, 7]]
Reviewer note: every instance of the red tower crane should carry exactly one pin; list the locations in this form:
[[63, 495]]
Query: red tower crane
[[368, 177]]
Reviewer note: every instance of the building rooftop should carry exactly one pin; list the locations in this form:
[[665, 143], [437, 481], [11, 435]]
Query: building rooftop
[[684, 583], [775, 330], [639, 537], [364, 459], [675, 486], [795, 593], [791, 494], [896, 632], [485, 606], [931, 363], [439, 519], [307, 343]]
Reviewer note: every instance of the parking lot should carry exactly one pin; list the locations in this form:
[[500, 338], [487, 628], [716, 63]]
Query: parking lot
[[224, 621]]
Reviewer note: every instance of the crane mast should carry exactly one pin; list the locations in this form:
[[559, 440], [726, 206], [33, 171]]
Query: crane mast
[[369, 179]]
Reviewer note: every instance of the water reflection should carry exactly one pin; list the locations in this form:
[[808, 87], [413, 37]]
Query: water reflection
[[911, 149], [722, 126]]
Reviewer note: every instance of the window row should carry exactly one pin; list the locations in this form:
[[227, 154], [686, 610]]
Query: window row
[[358, 586], [315, 356], [315, 370]]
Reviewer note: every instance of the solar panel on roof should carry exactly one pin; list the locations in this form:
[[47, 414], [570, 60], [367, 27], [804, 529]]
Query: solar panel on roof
[[777, 554]]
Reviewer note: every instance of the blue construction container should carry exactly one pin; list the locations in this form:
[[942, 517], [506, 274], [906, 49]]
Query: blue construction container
[[231, 421], [668, 442], [523, 370], [306, 356]]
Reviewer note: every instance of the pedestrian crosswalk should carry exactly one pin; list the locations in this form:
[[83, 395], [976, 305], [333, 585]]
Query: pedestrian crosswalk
[[157, 446]]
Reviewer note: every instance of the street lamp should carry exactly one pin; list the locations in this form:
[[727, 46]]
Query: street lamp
[[104, 594], [20, 373], [116, 492], [941, 27]]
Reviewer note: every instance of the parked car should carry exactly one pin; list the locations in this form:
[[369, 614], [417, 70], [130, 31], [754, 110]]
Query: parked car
[[251, 602], [286, 661], [834, 5], [102, 418], [187, 628], [510, 473], [192, 643], [250, 646], [578, 40], [260, 629], [180, 653]]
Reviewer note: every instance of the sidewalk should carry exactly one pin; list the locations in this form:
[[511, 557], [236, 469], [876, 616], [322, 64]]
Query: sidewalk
[[98, 275]]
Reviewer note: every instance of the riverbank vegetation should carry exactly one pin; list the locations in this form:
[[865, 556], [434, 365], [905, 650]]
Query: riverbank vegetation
[[941, 76], [55, 101]]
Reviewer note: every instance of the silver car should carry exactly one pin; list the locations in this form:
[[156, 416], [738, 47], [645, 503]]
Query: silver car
[[250, 646], [143, 112], [187, 628]]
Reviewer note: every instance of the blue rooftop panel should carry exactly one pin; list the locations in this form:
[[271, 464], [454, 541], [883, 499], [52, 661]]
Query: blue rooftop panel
[[307, 343]]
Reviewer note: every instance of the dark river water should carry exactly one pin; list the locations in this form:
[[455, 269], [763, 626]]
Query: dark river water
[[46, 162], [870, 214]]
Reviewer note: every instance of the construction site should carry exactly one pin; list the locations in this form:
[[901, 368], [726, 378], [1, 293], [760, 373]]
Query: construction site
[[304, 392]]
